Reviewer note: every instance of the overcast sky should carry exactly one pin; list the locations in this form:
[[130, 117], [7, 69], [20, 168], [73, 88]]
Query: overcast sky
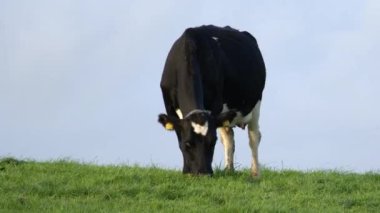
[[80, 80]]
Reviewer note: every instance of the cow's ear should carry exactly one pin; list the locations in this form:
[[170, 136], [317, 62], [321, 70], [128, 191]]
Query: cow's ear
[[167, 121], [225, 119]]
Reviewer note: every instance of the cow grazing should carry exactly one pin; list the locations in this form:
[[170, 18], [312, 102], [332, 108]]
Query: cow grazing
[[213, 78]]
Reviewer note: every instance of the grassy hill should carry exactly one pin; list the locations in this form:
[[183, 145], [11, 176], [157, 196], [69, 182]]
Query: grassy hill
[[64, 186]]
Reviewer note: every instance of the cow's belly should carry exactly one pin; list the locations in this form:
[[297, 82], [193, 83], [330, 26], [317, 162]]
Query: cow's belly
[[240, 119]]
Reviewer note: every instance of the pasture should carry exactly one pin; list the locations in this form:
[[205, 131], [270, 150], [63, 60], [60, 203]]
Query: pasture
[[65, 186]]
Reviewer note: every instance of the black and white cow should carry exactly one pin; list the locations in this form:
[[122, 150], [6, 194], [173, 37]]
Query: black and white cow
[[213, 78]]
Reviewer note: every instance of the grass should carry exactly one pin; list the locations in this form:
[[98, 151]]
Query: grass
[[64, 186]]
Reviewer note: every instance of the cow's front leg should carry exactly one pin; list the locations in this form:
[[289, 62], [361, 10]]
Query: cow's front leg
[[227, 138]]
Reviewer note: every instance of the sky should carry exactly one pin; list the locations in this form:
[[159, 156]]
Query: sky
[[80, 80]]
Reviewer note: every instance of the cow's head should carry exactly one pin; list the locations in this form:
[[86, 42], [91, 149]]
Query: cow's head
[[197, 137]]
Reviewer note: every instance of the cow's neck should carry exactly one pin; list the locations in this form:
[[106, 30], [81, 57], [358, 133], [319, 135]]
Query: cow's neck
[[190, 93]]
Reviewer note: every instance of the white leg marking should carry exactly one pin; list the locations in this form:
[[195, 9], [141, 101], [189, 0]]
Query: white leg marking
[[200, 129], [227, 139], [179, 113], [254, 139]]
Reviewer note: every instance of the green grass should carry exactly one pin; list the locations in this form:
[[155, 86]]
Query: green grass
[[64, 186]]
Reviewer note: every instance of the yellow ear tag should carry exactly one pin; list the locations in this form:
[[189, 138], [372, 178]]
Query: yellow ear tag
[[169, 126], [226, 123]]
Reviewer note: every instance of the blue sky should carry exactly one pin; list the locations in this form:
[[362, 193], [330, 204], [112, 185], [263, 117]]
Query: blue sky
[[80, 80]]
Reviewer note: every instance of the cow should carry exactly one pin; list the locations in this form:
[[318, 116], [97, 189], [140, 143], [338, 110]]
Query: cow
[[213, 78]]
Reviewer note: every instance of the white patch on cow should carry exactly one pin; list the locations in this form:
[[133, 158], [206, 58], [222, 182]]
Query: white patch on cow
[[225, 108], [215, 38], [200, 129], [256, 114], [240, 119], [179, 113]]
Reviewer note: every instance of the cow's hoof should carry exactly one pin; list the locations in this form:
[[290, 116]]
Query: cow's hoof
[[255, 174], [229, 169]]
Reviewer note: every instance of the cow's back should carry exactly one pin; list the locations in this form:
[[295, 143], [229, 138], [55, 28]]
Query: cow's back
[[239, 62]]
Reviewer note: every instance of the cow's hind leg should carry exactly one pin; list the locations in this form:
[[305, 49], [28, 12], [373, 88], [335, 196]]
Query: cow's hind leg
[[227, 138], [254, 139]]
